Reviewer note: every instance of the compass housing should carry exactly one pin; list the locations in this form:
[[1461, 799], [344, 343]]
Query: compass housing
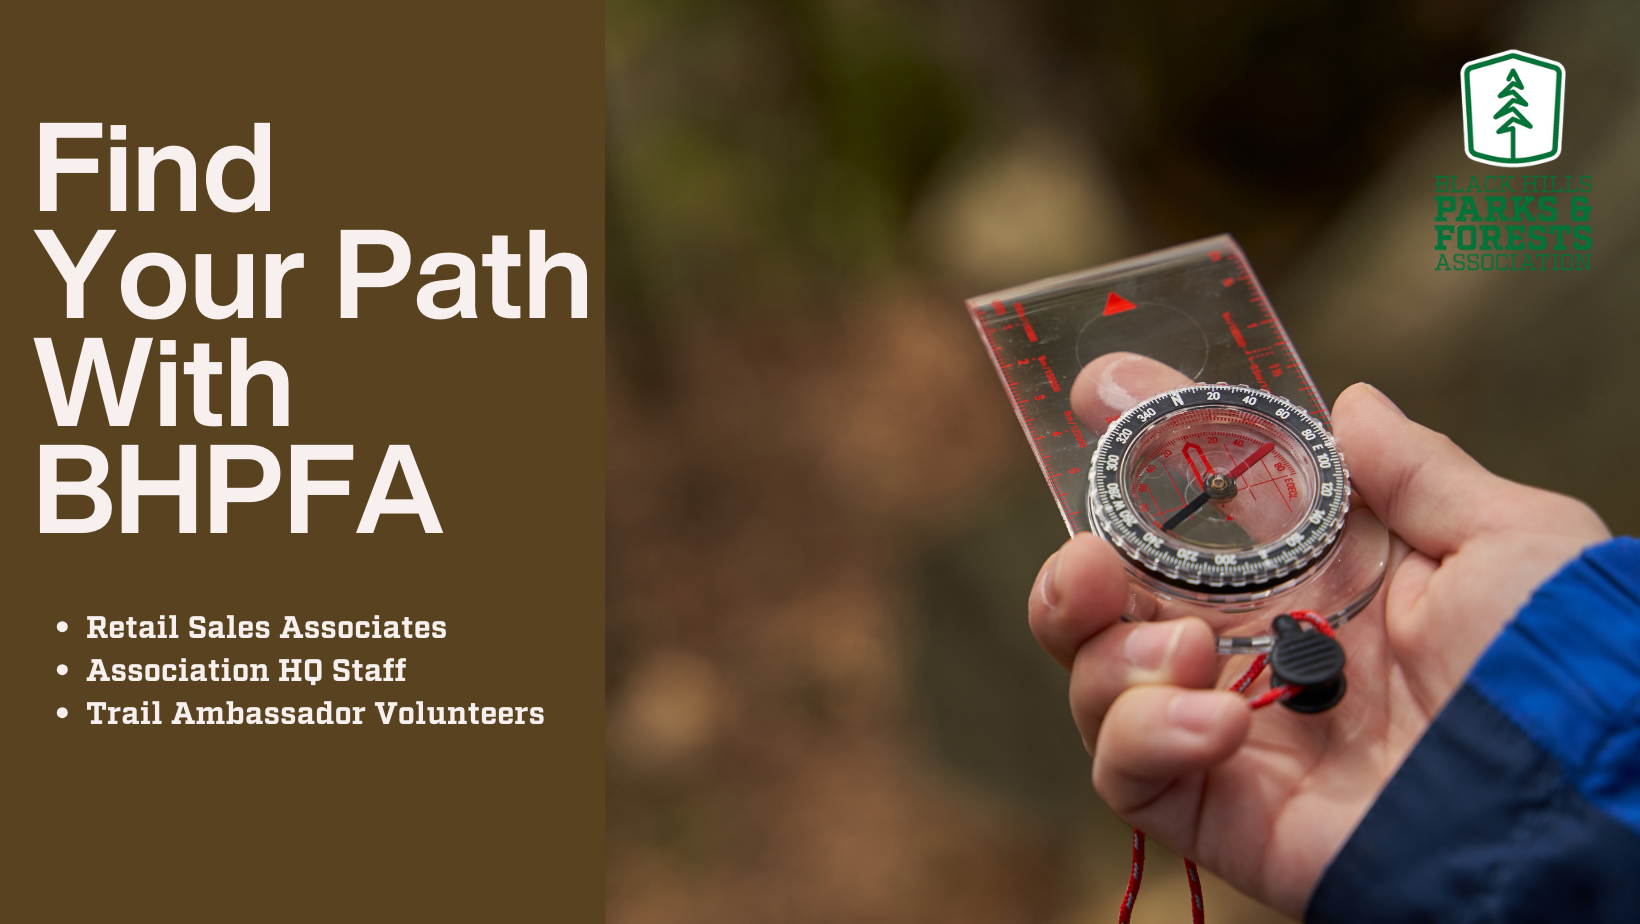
[[1209, 554]]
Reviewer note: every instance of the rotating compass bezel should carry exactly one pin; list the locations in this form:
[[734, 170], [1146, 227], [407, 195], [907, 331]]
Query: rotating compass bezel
[[1180, 563]]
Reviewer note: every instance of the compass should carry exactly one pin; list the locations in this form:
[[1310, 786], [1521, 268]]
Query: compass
[[1222, 497]]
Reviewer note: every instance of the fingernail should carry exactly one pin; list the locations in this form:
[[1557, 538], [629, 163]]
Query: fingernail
[[1050, 580], [1385, 398], [1196, 711], [1148, 645]]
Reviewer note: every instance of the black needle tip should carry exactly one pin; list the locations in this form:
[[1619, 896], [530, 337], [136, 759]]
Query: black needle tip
[[1185, 512]]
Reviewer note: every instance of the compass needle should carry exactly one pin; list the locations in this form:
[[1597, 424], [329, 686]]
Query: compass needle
[[1185, 512], [1251, 460]]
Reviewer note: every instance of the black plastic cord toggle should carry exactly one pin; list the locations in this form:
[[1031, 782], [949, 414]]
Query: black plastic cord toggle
[[1310, 660]]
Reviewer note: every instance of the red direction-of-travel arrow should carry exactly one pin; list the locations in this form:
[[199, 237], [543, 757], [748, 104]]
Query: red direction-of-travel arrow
[[1116, 304]]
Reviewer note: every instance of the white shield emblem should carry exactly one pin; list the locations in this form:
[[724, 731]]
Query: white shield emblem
[[1513, 104]]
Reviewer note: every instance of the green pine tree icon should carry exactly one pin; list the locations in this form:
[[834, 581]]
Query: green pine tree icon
[[1511, 95]]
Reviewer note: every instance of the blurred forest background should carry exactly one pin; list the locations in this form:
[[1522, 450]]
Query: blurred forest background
[[823, 701]]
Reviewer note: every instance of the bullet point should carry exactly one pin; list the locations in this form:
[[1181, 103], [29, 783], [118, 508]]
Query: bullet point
[[62, 669], [62, 712], [62, 627]]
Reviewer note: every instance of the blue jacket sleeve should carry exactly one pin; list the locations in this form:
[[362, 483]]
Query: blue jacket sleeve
[[1522, 800]]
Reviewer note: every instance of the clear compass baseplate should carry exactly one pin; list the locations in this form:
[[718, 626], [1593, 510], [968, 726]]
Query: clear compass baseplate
[[1233, 504]]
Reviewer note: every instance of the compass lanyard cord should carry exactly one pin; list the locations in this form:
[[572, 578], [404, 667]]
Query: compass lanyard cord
[[1136, 873]]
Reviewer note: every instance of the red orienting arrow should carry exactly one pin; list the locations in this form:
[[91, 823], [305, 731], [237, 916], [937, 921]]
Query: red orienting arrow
[[1116, 304]]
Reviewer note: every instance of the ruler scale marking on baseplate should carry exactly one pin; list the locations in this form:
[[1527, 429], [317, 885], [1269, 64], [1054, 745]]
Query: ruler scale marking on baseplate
[[1197, 307]]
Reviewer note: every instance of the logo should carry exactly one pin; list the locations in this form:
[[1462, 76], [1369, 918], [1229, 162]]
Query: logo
[[1513, 104]]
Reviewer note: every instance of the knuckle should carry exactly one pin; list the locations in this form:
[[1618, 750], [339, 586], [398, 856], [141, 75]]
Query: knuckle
[[1579, 515], [1548, 512], [1040, 621]]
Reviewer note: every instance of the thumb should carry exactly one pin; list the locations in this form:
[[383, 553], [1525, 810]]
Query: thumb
[[1426, 489]]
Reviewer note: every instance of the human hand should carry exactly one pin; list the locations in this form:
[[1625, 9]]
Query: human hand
[[1267, 800]]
